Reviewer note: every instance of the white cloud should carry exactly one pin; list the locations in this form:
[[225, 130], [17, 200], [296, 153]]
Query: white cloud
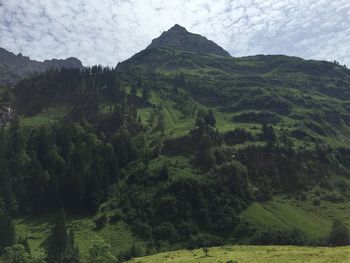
[[105, 32]]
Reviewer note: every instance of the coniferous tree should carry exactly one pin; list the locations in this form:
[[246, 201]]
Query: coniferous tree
[[161, 122], [339, 235], [57, 240], [268, 134], [210, 118], [7, 231], [146, 93], [72, 252], [5, 180], [133, 89], [123, 146], [24, 242]]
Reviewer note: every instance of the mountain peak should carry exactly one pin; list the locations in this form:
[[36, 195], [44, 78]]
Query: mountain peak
[[179, 38], [177, 27]]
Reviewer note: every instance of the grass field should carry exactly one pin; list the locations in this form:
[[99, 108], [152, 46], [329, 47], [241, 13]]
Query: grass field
[[253, 254]]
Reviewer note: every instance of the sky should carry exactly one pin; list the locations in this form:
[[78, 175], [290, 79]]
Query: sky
[[108, 31]]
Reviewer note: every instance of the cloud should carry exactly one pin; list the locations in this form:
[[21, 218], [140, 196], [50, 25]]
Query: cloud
[[105, 32]]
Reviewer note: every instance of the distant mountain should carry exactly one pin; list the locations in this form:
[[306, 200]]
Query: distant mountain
[[14, 68]]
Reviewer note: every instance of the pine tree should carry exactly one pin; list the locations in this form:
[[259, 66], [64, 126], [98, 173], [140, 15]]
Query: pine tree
[[133, 89], [146, 94], [57, 240], [7, 231], [72, 252], [5, 180], [161, 122], [269, 134], [210, 118], [24, 242]]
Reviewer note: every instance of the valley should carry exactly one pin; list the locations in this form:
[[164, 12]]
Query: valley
[[179, 148]]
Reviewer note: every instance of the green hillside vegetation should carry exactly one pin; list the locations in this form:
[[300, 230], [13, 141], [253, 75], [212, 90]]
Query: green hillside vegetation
[[36, 230], [175, 149]]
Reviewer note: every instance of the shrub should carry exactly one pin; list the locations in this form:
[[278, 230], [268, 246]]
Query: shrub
[[166, 231], [303, 197], [206, 251], [16, 253], [116, 216], [137, 251], [316, 202], [100, 221], [142, 228], [333, 198], [339, 235], [281, 236], [124, 255], [99, 252], [204, 240]]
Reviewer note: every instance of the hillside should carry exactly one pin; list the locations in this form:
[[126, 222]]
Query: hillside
[[181, 146]]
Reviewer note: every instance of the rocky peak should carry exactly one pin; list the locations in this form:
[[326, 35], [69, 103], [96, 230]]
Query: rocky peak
[[179, 38], [14, 68]]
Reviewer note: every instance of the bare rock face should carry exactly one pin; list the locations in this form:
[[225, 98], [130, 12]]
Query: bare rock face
[[14, 68], [179, 38]]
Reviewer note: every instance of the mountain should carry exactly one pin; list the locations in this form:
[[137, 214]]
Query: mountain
[[179, 38], [176, 148], [14, 68]]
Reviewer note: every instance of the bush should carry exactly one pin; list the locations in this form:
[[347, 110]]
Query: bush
[[166, 231], [204, 240], [100, 221], [243, 230], [316, 202], [282, 236], [124, 255], [116, 216], [339, 235], [303, 197], [142, 228], [16, 253], [257, 117], [333, 198], [137, 251], [100, 252]]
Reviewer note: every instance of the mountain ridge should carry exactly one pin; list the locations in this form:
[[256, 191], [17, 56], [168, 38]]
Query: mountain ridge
[[14, 68]]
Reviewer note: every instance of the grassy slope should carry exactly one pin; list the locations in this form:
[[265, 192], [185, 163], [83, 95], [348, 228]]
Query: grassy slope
[[277, 214], [118, 235], [48, 116], [314, 221], [253, 254]]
